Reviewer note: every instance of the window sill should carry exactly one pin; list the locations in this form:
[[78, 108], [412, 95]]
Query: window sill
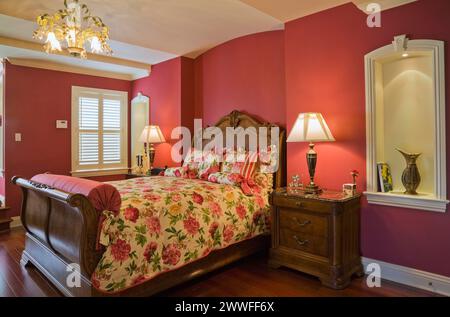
[[100, 172], [421, 201]]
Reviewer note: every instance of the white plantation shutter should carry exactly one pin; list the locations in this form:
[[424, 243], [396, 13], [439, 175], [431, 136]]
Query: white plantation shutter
[[99, 131], [111, 131], [88, 131]]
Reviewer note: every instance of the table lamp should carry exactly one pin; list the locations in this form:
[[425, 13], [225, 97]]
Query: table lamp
[[310, 127], [151, 135]]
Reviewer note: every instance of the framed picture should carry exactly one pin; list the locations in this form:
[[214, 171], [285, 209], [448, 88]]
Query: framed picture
[[349, 189], [384, 177]]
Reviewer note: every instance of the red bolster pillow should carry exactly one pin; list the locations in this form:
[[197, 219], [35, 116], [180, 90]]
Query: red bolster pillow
[[102, 196]]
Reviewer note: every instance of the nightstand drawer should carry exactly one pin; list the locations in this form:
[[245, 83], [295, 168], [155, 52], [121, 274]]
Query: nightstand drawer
[[304, 242], [299, 203], [303, 222]]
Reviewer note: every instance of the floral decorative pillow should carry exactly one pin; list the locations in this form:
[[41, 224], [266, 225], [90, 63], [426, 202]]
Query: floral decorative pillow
[[248, 186], [229, 163], [264, 180], [174, 172], [210, 164], [190, 172], [191, 163], [240, 162], [201, 163], [268, 160], [193, 158], [233, 179]]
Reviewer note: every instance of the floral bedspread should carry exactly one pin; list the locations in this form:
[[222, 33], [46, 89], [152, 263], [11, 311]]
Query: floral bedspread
[[167, 222]]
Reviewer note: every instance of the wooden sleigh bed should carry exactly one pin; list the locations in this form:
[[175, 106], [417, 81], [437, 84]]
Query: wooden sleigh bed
[[61, 228]]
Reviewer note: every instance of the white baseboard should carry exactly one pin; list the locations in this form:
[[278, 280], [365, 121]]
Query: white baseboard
[[408, 276], [15, 222]]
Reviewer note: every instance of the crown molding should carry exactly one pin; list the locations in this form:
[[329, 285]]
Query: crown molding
[[37, 47], [35, 63]]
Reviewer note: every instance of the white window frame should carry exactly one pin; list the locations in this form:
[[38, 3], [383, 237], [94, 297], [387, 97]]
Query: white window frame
[[99, 169]]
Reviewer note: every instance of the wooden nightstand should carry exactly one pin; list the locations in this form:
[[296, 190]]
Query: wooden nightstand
[[318, 235]]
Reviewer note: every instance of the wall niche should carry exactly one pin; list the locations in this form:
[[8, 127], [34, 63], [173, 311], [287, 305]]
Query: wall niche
[[405, 109]]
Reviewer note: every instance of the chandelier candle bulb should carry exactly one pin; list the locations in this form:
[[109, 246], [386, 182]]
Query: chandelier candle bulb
[[53, 42], [96, 47]]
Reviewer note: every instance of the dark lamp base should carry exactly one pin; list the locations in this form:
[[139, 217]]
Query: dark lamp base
[[312, 189]]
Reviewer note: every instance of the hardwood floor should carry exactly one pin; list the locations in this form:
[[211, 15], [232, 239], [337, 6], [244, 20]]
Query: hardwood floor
[[248, 277]]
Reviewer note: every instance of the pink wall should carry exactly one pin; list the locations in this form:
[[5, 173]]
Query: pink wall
[[170, 89], [243, 74], [2, 186], [34, 100], [324, 57], [187, 93]]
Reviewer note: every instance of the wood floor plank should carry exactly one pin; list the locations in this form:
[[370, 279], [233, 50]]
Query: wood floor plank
[[248, 277]]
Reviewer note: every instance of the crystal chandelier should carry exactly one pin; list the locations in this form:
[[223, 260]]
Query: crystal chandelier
[[73, 28]]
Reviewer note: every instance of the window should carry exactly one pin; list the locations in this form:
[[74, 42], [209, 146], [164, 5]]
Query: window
[[99, 132]]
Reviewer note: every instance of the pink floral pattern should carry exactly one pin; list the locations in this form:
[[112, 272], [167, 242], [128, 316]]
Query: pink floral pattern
[[174, 172], [226, 178], [233, 161], [203, 163], [268, 160], [167, 222]]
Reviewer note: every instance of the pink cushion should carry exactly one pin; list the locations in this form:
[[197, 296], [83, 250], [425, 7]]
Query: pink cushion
[[102, 196]]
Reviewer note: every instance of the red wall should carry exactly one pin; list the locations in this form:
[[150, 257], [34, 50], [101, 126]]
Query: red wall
[[187, 93], [34, 100], [170, 88], [243, 74], [324, 57]]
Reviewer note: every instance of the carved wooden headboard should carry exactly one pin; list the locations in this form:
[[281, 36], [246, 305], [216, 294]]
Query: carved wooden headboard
[[238, 119]]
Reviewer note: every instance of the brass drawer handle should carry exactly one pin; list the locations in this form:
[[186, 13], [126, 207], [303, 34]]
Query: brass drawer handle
[[300, 242], [298, 204], [302, 224]]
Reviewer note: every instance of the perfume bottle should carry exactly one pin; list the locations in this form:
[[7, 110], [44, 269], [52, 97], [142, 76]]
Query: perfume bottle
[[295, 186]]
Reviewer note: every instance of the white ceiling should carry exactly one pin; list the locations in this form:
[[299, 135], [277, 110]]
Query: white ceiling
[[152, 31], [23, 30], [181, 27], [286, 10], [385, 4]]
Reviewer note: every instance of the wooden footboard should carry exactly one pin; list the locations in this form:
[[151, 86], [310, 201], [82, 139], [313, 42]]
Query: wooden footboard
[[61, 230]]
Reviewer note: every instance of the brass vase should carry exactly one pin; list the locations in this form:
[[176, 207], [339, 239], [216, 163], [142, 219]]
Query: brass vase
[[411, 175]]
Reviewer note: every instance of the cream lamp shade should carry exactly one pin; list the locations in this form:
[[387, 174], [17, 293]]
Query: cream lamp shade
[[152, 134], [310, 127]]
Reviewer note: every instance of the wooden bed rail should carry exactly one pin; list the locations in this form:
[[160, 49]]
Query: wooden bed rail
[[59, 223]]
